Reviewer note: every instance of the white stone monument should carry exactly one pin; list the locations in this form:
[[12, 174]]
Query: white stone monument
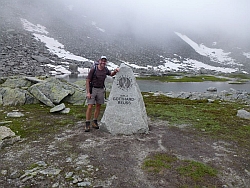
[[125, 112]]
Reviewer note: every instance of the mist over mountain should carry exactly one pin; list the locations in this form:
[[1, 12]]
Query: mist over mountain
[[156, 36]]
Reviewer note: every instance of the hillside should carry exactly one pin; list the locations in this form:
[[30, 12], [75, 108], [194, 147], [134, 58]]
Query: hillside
[[154, 52]]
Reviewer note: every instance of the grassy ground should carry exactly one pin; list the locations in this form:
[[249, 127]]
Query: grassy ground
[[216, 120], [240, 78], [200, 78], [195, 173]]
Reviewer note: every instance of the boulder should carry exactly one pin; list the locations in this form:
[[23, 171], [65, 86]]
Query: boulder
[[73, 68], [58, 108], [16, 82], [7, 136], [41, 59], [52, 89], [243, 114], [12, 97], [33, 79], [125, 112], [40, 96], [79, 96], [30, 90], [212, 89], [65, 111]]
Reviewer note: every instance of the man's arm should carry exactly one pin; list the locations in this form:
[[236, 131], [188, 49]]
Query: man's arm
[[114, 72], [88, 80], [87, 86]]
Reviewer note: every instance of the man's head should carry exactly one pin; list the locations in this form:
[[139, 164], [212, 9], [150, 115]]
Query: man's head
[[103, 60]]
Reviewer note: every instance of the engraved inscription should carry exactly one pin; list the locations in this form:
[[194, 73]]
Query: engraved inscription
[[124, 99]]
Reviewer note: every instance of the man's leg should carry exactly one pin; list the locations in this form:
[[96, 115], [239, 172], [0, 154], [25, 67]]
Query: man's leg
[[96, 114], [88, 117], [88, 112], [97, 111]]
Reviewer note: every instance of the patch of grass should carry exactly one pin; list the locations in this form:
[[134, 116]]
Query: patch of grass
[[158, 162], [198, 78], [239, 76], [37, 119], [217, 119], [32, 166], [187, 172], [196, 170]]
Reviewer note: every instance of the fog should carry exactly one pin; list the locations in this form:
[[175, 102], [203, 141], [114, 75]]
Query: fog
[[148, 17], [154, 19]]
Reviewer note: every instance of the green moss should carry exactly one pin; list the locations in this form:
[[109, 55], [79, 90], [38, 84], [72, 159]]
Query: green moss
[[32, 166], [196, 170], [214, 119], [158, 162], [198, 78], [239, 76], [38, 120]]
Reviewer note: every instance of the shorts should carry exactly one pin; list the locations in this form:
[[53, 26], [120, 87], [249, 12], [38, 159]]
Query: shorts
[[97, 96]]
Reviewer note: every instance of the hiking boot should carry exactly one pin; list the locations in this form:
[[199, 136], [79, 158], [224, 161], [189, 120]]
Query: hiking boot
[[95, 124], [87, 126]]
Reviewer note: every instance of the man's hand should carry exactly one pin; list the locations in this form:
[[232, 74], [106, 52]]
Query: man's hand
[[117, 70], [88, 95]]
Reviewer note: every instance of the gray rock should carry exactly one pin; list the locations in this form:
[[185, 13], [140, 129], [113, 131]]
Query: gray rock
[[58, 108], [243, 114], [40, 59], [30, 90], [5, 122], [73, 68], [125, 112], [81, 83], [16, 82], [12, 97], [50, 171], [33, 79], [210, 100], [40, 96], [15, 114], [65, 111], [84, 184], [212, 89], [7, 137], [5, 132], [78, 98], [54, 89]]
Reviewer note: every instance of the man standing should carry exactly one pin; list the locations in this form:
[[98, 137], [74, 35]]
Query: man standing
[[95, 90]]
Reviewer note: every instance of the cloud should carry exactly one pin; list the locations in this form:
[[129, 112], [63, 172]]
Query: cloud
[[158, 18], [144, 16]]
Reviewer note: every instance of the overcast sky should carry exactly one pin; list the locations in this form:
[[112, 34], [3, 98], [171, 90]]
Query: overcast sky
[[142, 15]]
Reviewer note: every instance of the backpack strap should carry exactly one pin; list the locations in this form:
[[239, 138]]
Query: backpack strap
[[94, 72]]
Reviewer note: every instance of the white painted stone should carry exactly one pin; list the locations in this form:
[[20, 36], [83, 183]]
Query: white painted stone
[[125, 112]]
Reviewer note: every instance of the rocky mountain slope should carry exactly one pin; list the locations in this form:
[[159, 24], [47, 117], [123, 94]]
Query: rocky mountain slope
[[22, 53]]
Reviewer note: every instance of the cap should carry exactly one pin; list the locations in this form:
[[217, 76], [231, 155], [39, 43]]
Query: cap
[[103, 57]]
